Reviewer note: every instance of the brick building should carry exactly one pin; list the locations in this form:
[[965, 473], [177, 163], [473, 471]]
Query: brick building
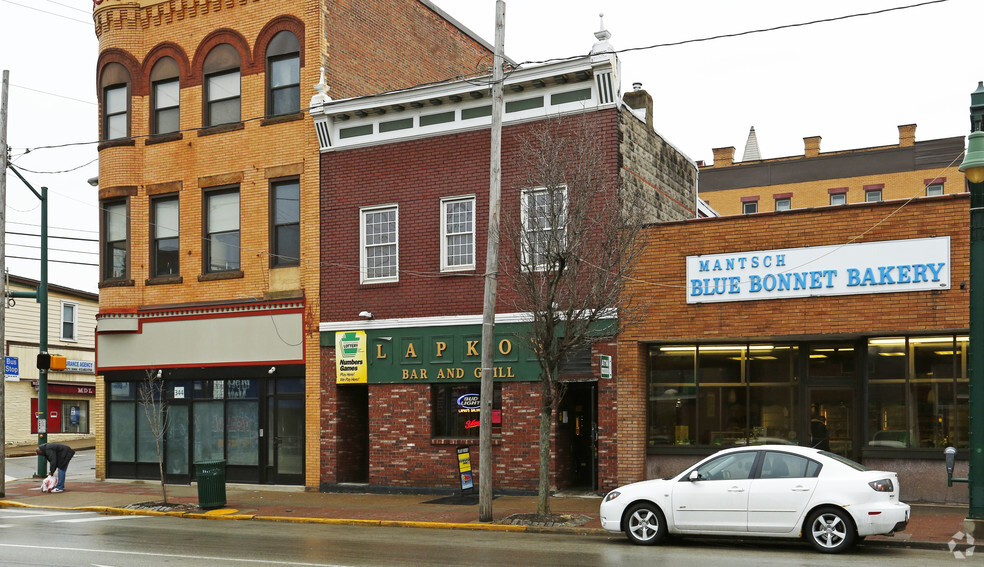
[[208, 185], [816, 179], [840, 326], [405, 183]]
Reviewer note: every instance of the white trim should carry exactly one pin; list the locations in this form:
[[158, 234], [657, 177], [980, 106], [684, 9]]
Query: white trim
[[363, 259], [445, 201], [525, 240], [75, 322], [411, 322]]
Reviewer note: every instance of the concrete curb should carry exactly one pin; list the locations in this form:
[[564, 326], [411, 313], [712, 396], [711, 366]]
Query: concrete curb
[[111, 510]]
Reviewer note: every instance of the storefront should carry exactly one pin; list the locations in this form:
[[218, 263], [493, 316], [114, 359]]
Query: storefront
[[409, 398], [232, 388], [839, 327]]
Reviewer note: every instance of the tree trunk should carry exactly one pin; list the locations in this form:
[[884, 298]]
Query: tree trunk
[[546, 413]]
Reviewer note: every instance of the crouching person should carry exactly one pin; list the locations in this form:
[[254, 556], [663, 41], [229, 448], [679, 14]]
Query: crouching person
[[58, 457]]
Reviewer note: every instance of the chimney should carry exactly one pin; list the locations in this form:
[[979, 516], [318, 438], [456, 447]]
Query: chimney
[[724, 157], [812, 146], [907, 135], [639, 99]]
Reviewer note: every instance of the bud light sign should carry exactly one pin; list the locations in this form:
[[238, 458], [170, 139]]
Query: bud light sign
[[469, 401]]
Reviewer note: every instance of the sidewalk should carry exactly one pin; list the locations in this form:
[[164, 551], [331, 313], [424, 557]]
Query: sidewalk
[[930, 526]]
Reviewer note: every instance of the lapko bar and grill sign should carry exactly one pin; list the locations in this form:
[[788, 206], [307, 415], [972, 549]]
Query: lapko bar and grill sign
[[916, 264]]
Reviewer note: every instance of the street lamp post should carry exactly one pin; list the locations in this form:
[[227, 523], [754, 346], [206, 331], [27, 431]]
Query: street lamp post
[[973, 168]]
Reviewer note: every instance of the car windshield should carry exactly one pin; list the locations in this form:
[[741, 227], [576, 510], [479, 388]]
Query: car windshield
[[845, 460]]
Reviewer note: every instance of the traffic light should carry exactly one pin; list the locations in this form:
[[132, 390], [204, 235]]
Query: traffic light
[[51, 362]]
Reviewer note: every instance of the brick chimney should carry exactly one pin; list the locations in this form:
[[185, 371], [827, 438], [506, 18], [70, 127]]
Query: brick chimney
[[724, 157], [907, 135], [812, 146], [639, 99]]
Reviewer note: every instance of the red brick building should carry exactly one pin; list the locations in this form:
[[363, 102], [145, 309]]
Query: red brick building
[[404, 208], [210, 227], [840, 326]]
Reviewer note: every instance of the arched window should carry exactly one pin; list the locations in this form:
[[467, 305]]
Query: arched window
[[115, 88], [283, 74], [222, 89], [165, 97]]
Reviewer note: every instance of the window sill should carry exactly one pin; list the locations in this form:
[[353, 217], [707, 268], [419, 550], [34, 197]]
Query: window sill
[[461, 441], [281, 118], [213, 276], [162, 280], [220, 129], [118, 143], [161, 138], [115, 283]]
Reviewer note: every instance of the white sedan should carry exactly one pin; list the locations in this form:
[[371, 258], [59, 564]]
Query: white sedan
[[768, 490]]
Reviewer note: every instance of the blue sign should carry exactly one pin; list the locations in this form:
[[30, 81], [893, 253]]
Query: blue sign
[[73, 415], [10, 366]]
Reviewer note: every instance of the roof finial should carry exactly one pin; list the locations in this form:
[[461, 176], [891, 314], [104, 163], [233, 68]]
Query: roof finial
[[322, 93], [602, 35]]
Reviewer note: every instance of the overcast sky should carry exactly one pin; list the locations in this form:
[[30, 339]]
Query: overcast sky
[[850, 81]]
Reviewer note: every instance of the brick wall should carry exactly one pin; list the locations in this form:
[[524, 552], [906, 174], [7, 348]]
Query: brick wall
[[661, 287], [366, 46]]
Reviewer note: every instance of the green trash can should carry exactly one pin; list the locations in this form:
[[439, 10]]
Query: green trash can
[[211, 484]]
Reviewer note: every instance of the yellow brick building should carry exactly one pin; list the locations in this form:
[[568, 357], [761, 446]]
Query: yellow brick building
[[909, 169], [209, 195]]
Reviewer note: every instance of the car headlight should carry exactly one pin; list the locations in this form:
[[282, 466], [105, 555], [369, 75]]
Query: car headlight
[[883, 485], [612, 496]]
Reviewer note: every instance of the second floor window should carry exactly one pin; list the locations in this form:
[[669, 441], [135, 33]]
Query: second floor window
[[838, 198], [873, 196], [544, 214], [782, 204], [165, 97], [749, 207], [222, 86], [70, 318], [165, 256], [285, 245], [380, 246], [115, 88], [222, 230], [115, 227], [934, 189], [283, 74], [458, 233]]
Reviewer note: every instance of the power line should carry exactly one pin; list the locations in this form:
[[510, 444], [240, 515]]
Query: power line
[[89, 102], [47, 12], [77, 239], [55, 261], [71, 7]]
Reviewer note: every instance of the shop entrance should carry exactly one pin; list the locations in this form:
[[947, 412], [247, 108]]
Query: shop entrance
[[578, 435], [832, 420]]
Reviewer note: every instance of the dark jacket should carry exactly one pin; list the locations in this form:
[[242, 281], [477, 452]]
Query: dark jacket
[[58, 455]]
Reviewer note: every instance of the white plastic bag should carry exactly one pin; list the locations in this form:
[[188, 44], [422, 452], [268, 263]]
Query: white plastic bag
[[48, 483]]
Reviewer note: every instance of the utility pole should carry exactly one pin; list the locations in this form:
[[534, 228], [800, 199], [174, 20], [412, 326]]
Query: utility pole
[[3, 278], [491, 274]]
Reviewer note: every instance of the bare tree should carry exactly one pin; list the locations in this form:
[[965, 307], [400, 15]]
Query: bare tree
[[570, 249], [154, 404]]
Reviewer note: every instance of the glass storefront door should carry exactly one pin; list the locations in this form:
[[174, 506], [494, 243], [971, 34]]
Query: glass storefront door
[[832, 420]]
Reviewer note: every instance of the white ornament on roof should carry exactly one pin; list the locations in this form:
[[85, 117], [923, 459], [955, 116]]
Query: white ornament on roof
[[322, 97]]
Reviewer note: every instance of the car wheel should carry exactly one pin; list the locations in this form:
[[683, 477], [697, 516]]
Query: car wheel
[[830, 530], [645, 524]]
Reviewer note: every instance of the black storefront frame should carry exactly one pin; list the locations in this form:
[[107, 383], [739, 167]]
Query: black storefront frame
[[264, 471], [859, 383]]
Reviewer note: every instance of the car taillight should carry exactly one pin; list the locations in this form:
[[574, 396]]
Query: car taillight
[[883, 485]]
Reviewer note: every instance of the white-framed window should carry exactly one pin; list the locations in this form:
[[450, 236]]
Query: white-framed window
[[458, 233], [934, 189], [783, 204], [222, 230], [69, 321], [379, 240], [749, 207], [544, 217], [838, 198], [872, 196]]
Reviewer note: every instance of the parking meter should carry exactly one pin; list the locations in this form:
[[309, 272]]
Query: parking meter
[[950, 455]]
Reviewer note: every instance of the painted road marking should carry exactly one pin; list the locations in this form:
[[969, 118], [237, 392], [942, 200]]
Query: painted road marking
[[98, 519], [239, 560]]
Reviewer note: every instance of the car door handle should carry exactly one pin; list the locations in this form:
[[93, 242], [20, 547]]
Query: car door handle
[[736, 489], [801, 488]]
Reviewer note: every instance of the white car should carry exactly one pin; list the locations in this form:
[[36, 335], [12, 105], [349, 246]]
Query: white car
[[769, 490]]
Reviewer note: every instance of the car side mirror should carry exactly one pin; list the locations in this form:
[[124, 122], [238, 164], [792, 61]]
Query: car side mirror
[[694, 475]]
